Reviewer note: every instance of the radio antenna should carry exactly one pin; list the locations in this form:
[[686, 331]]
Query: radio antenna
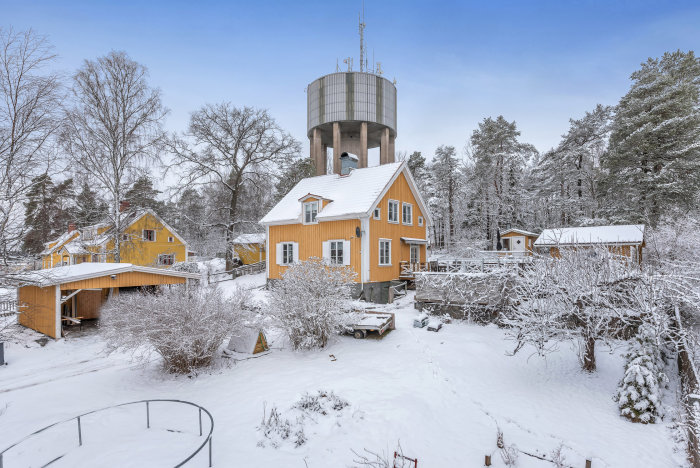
[[361, 18]]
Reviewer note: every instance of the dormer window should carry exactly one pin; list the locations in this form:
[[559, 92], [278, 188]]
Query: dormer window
[[310, 212]]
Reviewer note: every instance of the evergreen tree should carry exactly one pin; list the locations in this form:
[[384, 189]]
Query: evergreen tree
[[90, 208], [143, 195], [443, 188], [47, 212], [566, 178], [639, 393], [654, 158], [499, 161], [292, 172]]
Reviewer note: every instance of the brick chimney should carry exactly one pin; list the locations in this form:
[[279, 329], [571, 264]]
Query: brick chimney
[[124, 205], [72, 227]]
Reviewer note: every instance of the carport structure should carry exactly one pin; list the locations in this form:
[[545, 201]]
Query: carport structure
[[47, 298]]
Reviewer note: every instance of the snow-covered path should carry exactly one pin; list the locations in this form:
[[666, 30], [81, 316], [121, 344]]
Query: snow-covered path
[[442, 395]]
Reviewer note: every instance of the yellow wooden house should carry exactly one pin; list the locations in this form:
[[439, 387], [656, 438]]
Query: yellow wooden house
[[371, 219], [145, 240], [250, 248]]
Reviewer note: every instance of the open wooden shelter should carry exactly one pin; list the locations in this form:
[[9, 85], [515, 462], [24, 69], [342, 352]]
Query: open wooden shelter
[[69, 294]]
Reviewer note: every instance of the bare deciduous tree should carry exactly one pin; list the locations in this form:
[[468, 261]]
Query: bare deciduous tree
[[114, 126], [230, 146], [29, 100]]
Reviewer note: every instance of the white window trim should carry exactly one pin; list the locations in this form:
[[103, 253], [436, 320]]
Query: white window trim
[[380, 252], [410, 249], [404, 204], [420, 221], [377, 213], [388, 212], [171, 239], [283, 244], [330, 250], [143, 235], [160, 256], [303, 211]]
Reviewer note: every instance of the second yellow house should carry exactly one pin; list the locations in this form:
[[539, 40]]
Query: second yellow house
[[371, 219], [145, 240]]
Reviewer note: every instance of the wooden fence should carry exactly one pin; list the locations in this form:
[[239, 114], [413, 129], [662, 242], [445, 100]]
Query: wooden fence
[[250, 269], [462, 265]]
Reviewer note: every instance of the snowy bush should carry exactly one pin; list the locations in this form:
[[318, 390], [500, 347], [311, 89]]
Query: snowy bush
[[639, 393], [185, 327], [311, 302], [276, 429], [189, 267]]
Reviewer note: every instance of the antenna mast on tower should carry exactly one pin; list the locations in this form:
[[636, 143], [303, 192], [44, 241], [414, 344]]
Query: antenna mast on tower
[[361, 18]]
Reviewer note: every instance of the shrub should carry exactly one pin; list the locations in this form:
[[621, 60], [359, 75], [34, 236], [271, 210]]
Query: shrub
[[311, 301], [185, 327]]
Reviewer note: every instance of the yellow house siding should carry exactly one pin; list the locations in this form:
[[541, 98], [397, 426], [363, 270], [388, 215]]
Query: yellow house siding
[[383, 229], [141, 252], [310, 238], [37, 308], [250, 253]]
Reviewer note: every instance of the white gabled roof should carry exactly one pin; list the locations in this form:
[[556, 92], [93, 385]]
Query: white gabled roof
[[256, 238], [83, 271], [62, 239], [352, 196], [622, 234], [519, 231]]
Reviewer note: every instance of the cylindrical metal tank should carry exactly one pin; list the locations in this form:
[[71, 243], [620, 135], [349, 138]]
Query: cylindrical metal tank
[[351, 112]]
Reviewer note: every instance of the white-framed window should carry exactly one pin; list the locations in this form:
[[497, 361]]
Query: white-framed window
[[420, 221], [407, 213], [384, 252], [377, 213], [166, 259], [125, 237], [310, 212], [393, 211], [336, 252], [171, 239], [149, 235], [287, 249]]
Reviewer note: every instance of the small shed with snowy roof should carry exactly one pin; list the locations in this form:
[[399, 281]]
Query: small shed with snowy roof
[[371, 220], [627, 240], [248, 341], [49, 298], [250, 248], [518, 241]]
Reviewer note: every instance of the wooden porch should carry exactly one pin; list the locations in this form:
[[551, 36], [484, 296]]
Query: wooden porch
[[462, 265]]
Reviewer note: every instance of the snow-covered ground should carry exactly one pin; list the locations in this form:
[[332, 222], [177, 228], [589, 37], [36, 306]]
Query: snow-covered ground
[[441, 395]]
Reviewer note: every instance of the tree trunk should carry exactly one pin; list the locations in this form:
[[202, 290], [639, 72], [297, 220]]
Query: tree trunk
[[588, 363]]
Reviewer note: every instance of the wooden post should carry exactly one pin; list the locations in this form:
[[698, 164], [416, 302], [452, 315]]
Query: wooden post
[[588, 464], [391, 294], [487, 460]]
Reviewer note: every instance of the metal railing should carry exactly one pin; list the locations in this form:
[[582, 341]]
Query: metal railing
[[207, 440]]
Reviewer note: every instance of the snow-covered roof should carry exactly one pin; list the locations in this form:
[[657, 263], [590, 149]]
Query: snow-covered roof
[[519, 231], [244, 340], [413, 240], [622, 234], [58, 243], [75, 247], [83, 271], [256, 238], [351, 195]]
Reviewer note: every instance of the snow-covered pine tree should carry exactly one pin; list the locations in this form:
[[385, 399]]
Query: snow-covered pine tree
[[639, 391], [654, 159], [567, 176], [47, 213], [443, 187], [499, 160]]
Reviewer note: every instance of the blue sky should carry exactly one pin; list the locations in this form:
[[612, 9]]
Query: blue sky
[[536, 62]]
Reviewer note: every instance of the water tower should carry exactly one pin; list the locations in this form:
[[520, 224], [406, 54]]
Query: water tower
[[351, 112]]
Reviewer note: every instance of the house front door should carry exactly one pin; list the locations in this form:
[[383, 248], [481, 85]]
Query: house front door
[[517, 244], [415, 253]]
